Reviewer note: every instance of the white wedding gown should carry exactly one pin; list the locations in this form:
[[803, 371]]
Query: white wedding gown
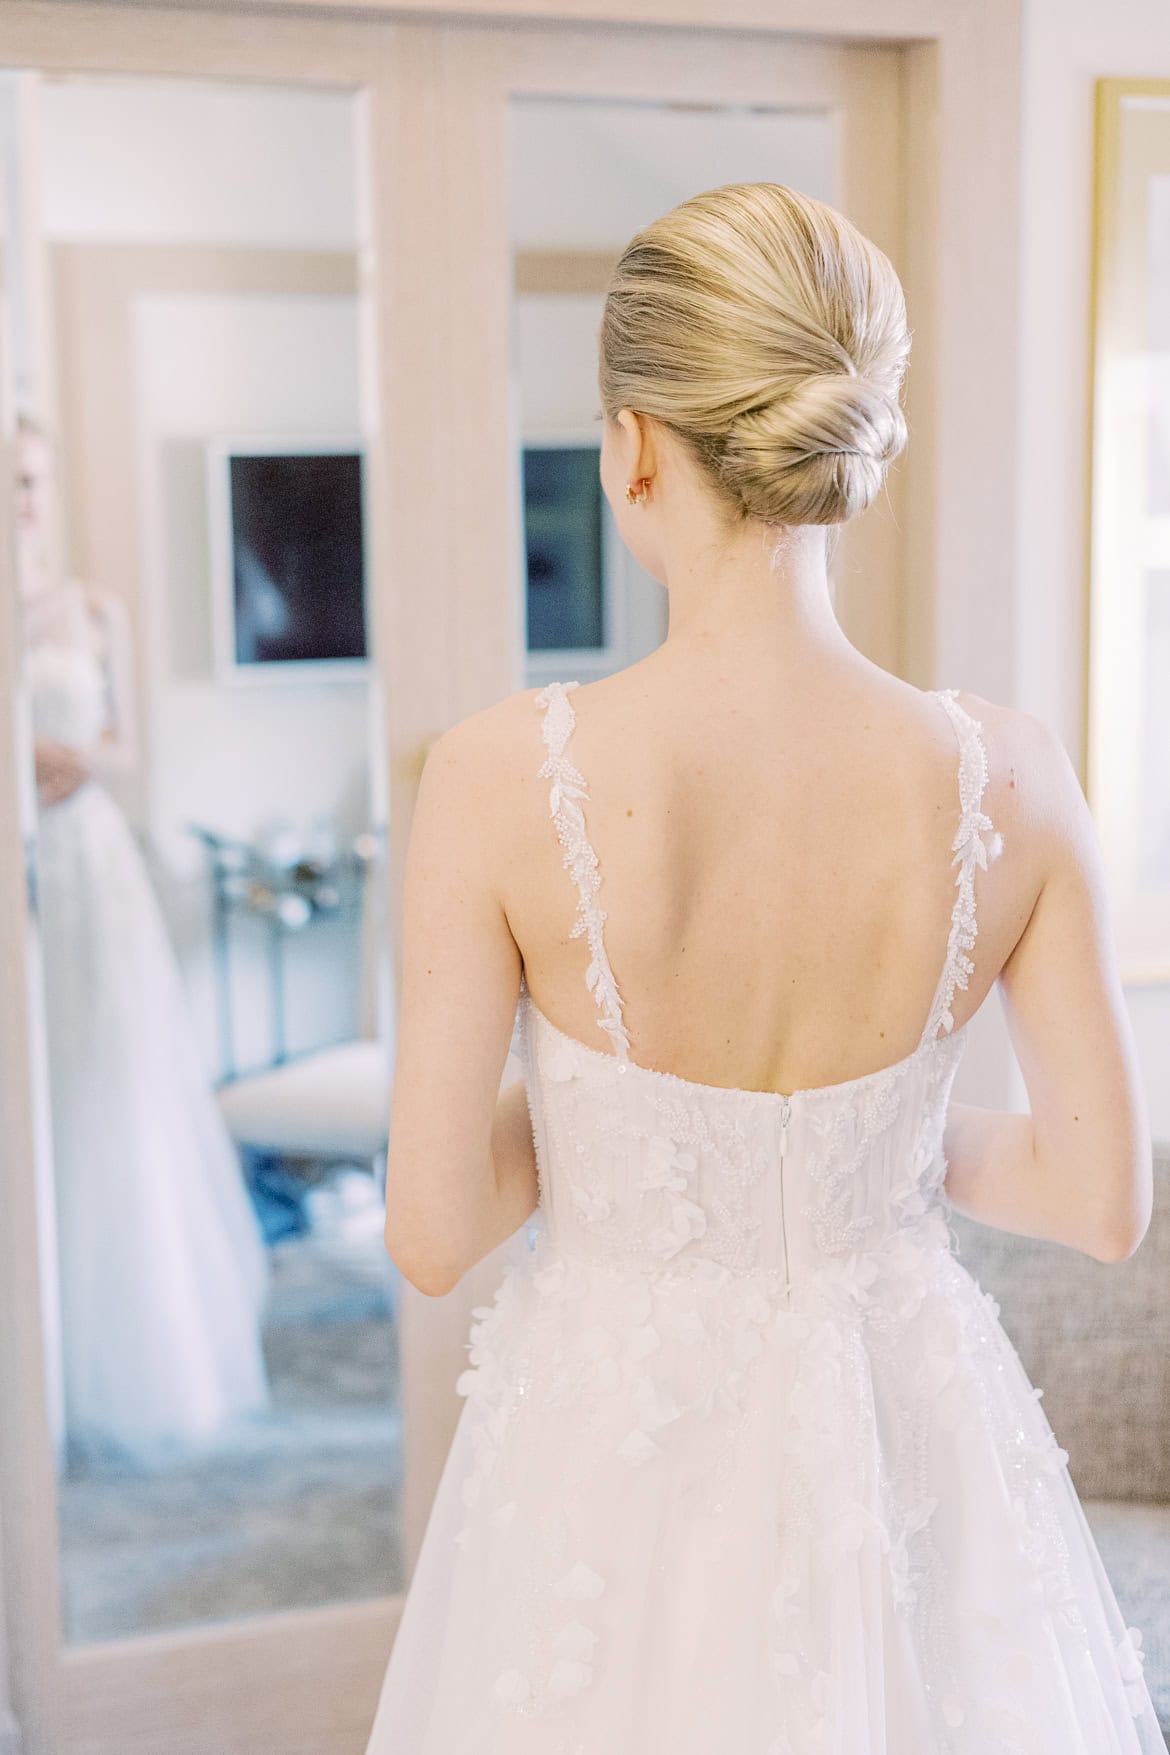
[[748, 1465], [162, 1265]]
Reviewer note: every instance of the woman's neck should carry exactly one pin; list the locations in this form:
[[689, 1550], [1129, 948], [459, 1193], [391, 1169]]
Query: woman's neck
[[757, 589]]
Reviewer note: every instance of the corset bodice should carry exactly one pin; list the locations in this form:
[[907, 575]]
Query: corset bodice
[[648, 1171]]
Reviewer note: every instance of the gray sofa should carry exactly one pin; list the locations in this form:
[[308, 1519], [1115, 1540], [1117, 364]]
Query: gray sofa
[[1096, 1339]]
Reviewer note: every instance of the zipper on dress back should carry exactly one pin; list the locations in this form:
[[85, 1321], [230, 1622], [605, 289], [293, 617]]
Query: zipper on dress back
[[785, 1113]]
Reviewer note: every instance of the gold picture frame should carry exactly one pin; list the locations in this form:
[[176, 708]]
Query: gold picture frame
[[1127, 717]]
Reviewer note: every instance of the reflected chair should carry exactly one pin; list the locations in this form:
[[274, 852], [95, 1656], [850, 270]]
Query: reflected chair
[[331, 1105]]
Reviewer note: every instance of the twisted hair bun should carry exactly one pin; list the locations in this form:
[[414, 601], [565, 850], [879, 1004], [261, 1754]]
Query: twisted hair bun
[[816, 454], [761, 326]]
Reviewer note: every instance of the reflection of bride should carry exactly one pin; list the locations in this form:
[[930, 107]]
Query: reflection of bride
[[162, 1264]]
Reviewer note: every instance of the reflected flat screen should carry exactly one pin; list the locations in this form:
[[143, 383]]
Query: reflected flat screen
[[563, 539], [298, 558]]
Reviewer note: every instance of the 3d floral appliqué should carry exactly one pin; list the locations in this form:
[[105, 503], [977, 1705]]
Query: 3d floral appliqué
[[1131, 1666]]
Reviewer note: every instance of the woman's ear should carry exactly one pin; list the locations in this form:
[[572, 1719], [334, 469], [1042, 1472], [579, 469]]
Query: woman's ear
[[631, 431], [638, 450]]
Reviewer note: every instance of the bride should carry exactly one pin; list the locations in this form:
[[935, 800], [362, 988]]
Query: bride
[[161, 1261], [747, 1461]]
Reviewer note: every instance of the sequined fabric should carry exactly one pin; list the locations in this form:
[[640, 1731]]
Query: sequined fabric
[[747, 1464]]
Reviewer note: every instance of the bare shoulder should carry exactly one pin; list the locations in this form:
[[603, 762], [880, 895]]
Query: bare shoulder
[[1034, 793], [1026, 757], [481, 744], [481, 767]]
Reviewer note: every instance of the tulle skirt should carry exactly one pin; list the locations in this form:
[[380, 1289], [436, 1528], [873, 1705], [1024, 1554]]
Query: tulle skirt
[[162, 1266], [688, 1512]]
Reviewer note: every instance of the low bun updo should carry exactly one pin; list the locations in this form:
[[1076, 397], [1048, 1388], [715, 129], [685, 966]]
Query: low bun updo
[[766, 331]]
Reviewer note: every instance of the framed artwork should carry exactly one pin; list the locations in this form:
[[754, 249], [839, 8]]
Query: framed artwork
[[1127, 755], [288, 558], [574, 610], [562, 539]]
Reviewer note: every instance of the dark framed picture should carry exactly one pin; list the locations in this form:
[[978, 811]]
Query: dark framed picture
[[565, 547], [289, 561]]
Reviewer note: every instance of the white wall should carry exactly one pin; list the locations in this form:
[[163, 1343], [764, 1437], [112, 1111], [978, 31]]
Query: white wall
[[234, 751], [587, 176], [237, 756], [227, 164], [1069, 45], [168, 162]]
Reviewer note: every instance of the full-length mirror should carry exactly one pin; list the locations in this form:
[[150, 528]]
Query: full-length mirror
[[194, 533]]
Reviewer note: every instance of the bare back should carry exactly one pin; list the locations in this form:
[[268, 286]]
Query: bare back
[[770, 839], [776, 871]]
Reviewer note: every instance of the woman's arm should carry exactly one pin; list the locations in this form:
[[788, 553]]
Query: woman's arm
[[460, 1174], [1078, 1168], [61, 769], [995, 1175]]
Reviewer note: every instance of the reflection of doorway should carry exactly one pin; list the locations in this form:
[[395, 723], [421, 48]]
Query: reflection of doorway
[[447, 566]]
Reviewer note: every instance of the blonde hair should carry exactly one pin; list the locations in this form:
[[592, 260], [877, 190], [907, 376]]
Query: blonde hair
[[764, 329]]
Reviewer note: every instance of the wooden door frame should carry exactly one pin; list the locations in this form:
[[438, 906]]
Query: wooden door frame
[[446, 563]]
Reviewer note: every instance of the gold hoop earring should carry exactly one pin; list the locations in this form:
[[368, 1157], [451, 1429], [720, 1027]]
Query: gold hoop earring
[[642, 495]]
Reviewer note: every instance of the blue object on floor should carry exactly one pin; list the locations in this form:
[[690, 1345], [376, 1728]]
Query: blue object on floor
[[279, 1198]]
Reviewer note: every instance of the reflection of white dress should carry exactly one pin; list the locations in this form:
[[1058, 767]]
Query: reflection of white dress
[[748, 1463], [162, 1264]]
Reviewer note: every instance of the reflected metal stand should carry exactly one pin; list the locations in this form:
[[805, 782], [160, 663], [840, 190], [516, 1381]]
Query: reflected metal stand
[[248, 884]]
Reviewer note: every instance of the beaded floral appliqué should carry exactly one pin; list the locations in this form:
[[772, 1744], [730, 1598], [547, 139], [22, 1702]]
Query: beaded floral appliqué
[[971, 850], [565, 797]]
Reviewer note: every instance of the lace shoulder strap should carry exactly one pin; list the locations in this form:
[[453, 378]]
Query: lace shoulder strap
[[970, 850], [566, 794]]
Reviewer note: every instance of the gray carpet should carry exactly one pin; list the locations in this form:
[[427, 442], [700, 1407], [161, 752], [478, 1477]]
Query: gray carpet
[[300, 1508]]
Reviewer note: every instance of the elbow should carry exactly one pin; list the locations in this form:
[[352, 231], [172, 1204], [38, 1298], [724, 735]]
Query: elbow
[[1116, 1246], [434, 1286], [432, 1277], [1121, 1222], [1119, 1241], [1109, 1254]]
